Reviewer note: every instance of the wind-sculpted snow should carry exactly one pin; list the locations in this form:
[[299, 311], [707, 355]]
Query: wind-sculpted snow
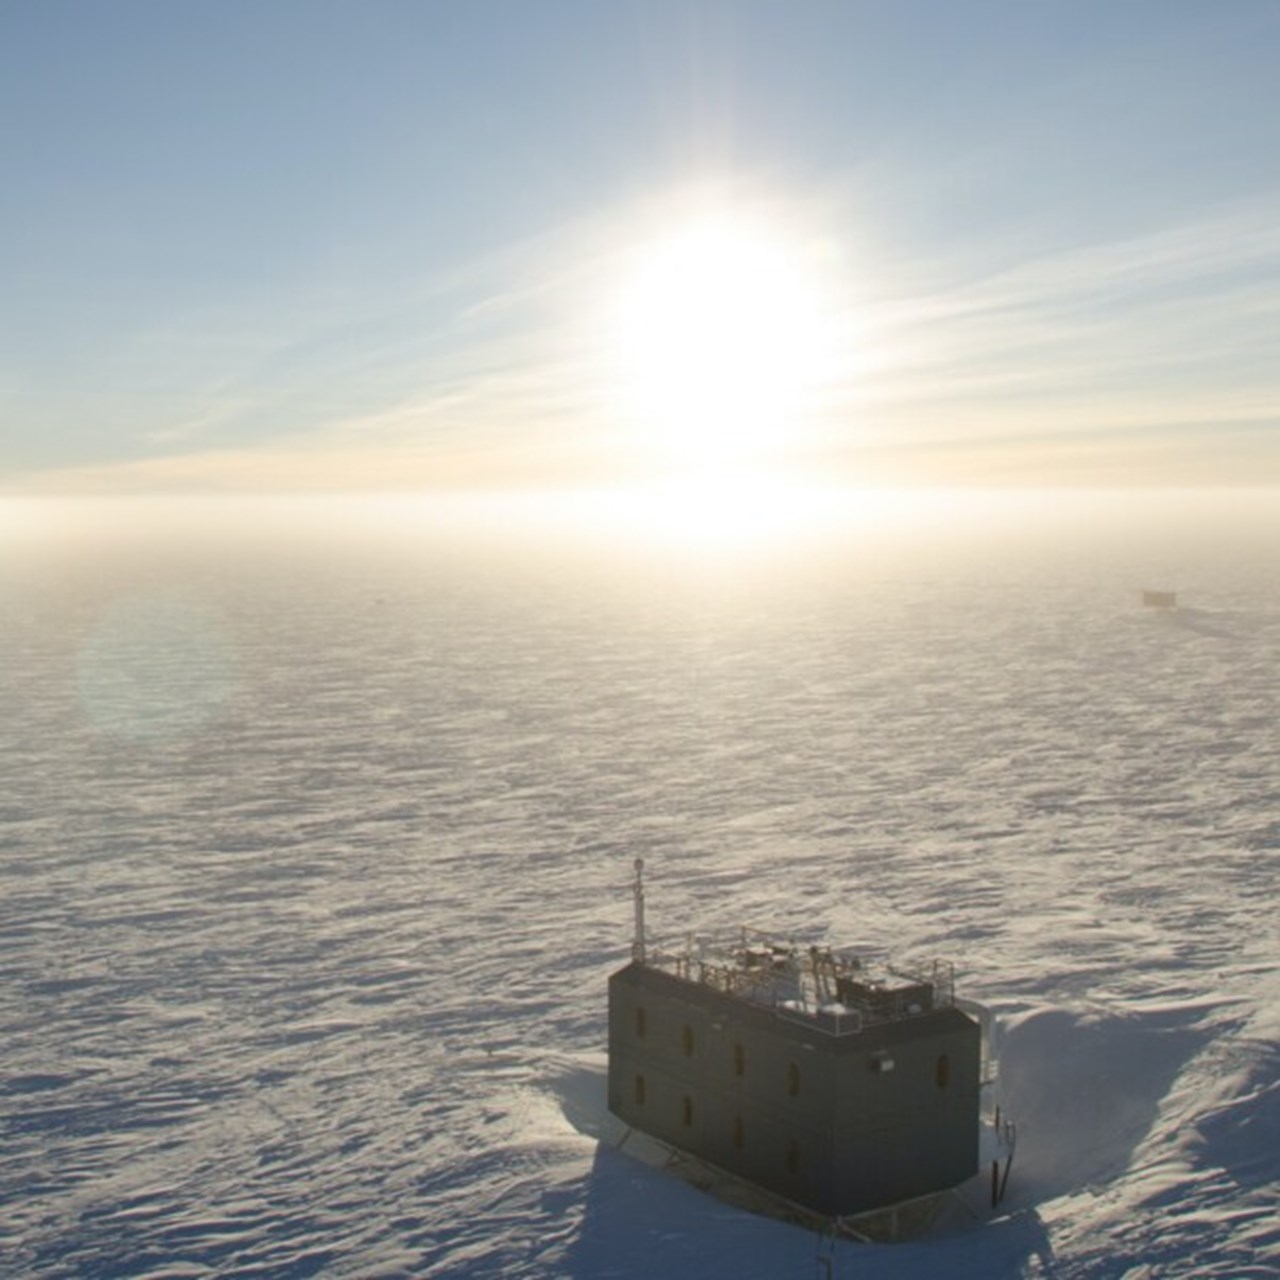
[[313, 864]]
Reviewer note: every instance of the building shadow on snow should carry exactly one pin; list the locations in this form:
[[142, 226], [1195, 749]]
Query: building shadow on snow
[[1201, 621], [639, 1221]]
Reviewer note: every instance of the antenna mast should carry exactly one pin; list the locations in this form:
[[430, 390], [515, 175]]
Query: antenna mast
[[637, 889]]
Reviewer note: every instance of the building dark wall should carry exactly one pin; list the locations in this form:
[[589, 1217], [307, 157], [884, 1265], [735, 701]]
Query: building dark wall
[[813, 1117]]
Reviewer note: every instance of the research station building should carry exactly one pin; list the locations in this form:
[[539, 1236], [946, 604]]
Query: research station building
[[835, 1086]]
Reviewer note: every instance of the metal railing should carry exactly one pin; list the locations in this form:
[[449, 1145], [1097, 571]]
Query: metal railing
[[808, 985]]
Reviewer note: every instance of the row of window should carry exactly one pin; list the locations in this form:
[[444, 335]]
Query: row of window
[[737, 1133], [942, 1069], [687, 1043]]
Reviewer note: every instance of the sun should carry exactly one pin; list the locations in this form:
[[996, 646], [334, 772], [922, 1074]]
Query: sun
[[725, 343]]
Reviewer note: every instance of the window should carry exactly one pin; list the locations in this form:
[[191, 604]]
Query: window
[[639, 1091], [737, 1132], [793, 1157], [739, 1060], [641, 1021], [686, 1110], [686, 1038], [793, 1079], [942, 1072]]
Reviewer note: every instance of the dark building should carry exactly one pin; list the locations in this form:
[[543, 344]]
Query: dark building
[[836, 1087]]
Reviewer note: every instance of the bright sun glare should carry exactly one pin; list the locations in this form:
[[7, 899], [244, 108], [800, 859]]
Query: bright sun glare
[[725, 343]]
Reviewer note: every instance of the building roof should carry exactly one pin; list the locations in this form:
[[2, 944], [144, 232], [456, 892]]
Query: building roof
[[816, 989]]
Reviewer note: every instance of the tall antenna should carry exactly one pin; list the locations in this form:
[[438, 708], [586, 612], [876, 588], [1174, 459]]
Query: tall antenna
[[637, 889]]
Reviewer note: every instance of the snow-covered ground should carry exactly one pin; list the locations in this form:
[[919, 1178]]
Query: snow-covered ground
[[314, 851]]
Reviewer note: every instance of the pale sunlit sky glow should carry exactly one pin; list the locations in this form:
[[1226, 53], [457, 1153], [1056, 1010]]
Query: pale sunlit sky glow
[[696, 248], [725, 343]]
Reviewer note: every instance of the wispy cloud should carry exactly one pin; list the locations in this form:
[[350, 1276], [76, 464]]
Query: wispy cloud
[[1151, 354], [1171, 329]]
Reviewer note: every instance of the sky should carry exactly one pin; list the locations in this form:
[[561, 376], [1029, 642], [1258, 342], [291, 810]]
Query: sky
[[318, 247]]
